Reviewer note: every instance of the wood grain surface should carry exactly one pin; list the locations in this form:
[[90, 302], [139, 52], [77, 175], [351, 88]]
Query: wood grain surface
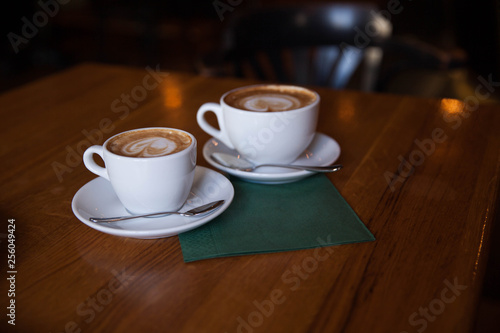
[[422, 174]]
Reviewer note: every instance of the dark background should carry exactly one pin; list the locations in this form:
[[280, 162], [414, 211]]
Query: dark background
[[177, 34]]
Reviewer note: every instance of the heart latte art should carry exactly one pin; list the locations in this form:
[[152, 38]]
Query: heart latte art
[[270, 98], [148, 147], [269, 102], [149, 143]]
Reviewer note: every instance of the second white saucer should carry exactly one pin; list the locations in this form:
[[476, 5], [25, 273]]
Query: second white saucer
[[322, 151]]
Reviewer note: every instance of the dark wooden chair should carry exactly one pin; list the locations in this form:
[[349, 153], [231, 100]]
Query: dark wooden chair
[[323, 45]]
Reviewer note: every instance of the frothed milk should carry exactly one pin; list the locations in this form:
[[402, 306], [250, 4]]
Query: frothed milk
[[270, 98], [149, 143]]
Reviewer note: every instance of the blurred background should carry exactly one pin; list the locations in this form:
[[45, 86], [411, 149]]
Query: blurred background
[[451, 42], [437, 48]]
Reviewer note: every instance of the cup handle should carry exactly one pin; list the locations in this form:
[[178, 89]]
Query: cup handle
[[218, 134], [89, 162]]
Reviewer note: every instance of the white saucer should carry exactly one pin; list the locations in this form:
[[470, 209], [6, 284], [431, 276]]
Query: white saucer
[[322, 151], [97, 199]]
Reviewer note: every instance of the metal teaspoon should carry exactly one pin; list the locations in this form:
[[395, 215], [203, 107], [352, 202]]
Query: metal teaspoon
[[192, 212], [239, 163]]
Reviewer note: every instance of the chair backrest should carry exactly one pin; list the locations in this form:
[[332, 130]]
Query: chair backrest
[[308, 44]]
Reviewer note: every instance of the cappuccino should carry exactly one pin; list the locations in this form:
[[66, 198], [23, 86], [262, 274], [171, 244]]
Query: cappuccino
[[270, 98], [150, 169], [152, 142]]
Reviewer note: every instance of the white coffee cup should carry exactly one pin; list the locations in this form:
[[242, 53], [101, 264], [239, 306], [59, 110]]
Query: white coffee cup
[[147, 184], [264, 136]]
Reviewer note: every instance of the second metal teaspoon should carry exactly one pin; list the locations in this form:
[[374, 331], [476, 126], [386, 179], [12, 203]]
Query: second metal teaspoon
[[242, 164]]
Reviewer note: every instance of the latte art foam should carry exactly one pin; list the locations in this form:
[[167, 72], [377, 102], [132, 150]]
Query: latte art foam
[[270, 98], [149, 143], [268, 102], [148, 147]]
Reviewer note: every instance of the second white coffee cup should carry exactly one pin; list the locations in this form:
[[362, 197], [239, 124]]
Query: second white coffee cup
[[258, 132]]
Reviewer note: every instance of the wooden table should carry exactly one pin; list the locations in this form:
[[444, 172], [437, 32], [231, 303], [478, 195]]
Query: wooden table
[[422, 174]]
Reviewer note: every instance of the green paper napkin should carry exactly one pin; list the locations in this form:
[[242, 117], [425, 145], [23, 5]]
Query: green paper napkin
[[272, 218]]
